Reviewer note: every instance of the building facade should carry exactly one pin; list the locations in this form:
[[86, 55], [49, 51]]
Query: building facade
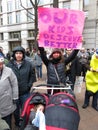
[[17, 25], [91, 24]]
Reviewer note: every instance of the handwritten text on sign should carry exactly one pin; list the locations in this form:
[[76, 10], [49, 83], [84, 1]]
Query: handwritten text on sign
[[60, 28]]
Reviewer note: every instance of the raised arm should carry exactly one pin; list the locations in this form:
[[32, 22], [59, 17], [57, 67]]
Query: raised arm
[[71, 56], [43, 55]]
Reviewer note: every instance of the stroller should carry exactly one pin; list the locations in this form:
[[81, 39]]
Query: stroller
[[34, 99], [61, 110]]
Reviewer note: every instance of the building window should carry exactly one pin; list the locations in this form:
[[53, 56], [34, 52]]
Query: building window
[[0, 9], [10, 18], [30, 15], [17, 4], [1, 20], [66, 5], [1, 36], [13, 35], [29, 4], [86, 14], [9, 6], [0, 6], [14, 44], [17, 17], [31, 33], [41, 2], [86, 2], [51, 5]]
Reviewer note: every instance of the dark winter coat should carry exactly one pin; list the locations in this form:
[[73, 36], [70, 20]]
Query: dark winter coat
[[74, 70], [25, 75], [60, 67]]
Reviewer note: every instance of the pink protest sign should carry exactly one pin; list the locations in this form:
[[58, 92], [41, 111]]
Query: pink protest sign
[[60, 28]]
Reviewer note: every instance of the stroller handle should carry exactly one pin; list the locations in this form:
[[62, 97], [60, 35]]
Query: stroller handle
[[52, 87]]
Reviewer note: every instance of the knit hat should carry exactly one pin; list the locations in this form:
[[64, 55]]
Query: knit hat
[[56, 50], [1, 59]]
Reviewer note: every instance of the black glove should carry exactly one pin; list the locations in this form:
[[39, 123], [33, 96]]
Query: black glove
[[15, 101], [41, 49], [29, 88]]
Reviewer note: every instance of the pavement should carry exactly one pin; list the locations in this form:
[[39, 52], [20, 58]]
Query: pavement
[[88, 116]]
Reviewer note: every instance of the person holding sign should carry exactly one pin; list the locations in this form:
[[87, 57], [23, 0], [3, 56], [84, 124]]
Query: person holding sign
[[59, 28], [56, 65]]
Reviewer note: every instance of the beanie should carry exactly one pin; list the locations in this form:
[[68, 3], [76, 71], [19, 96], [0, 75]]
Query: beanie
[[56, 50]]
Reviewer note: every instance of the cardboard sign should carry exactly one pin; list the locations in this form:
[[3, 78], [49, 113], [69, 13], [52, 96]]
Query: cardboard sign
[[60, 28]]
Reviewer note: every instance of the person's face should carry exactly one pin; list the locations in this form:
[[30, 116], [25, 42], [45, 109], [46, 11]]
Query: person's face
[[1, 65], [96, 56], [19, 56], [41, 108], [68, 51], [56, 55], [82, 50]]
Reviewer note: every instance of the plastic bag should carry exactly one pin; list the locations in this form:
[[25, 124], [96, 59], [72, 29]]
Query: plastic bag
[[78, 84]]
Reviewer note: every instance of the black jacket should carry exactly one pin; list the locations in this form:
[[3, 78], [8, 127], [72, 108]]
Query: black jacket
[[60, 67], [25, 75]]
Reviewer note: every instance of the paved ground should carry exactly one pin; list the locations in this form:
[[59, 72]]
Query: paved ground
[[89, 117]]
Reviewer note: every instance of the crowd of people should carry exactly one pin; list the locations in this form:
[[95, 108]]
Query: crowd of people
[[20, 68]]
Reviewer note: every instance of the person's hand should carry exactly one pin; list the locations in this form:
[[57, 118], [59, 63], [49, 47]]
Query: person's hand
[[91, 69], [15, 101], [81, 39], [96, 70], [37, 37]]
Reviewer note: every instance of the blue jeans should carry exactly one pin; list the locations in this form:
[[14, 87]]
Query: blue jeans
[[39, 71], [19, 105]]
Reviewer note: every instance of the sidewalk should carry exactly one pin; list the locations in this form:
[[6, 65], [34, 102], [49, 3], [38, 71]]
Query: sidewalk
[[89, 117]]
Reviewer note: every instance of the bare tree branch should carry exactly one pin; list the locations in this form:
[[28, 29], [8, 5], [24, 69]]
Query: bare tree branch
[[26, 8], [38, 2], [31, 18], [27, 11], [35, 19], [32, 4]]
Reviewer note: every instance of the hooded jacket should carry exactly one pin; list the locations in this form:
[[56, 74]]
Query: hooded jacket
[[25, 73], [18, 48]]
